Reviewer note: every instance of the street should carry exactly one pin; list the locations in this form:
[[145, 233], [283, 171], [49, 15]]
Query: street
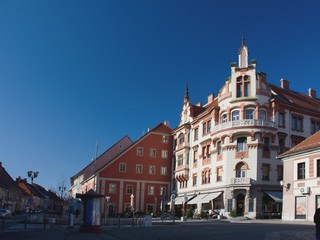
[[201, 230]]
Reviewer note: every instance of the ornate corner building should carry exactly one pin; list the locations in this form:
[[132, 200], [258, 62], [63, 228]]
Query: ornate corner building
[[226, 150]]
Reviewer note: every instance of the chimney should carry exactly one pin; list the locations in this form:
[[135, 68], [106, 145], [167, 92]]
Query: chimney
[[199, 104], [312, 93], [284, 83], [167, 123], [210, 98]]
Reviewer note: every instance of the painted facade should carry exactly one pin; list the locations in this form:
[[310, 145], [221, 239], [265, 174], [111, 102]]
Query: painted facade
[[138, 178], [225, 151], [301, 183]]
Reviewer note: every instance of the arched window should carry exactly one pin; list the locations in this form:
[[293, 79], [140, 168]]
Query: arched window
[[235, 115], [241, 170], [224, 118], [249, 113]]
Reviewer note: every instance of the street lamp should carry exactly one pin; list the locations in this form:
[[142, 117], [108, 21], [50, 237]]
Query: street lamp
[[32, 175]]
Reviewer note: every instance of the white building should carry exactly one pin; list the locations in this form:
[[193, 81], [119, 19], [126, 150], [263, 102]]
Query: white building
[[302, 180], [225, 151]]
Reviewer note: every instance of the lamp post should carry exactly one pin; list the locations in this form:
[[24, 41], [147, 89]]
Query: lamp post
[[32, 175]]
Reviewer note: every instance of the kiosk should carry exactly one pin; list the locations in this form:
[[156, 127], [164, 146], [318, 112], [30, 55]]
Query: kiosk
[[91, 211]]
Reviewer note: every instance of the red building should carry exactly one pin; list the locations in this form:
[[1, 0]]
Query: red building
[[140, 176]]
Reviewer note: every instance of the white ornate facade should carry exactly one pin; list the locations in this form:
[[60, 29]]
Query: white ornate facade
[[225, 151]]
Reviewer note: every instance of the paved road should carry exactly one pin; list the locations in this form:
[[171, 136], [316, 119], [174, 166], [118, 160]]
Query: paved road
[[199, 230]]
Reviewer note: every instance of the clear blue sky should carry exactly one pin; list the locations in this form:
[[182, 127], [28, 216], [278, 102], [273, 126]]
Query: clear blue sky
[[76, 72]]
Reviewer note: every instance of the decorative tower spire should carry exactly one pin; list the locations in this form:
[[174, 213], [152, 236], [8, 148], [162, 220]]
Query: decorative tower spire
[[243, 54], [186, 94]]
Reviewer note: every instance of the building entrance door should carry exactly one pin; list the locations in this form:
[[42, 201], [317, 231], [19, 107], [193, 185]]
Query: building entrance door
[[240, 205]]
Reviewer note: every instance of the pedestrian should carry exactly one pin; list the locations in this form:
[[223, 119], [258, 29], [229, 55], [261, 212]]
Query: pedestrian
[[316, 220]]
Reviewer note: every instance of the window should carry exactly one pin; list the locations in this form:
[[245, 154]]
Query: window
[[181, 138], [241, 144], [235, 115], [164, 153], [209, 126], [206, 176], [301, 170], [279, 172], [266, 144], [281, 148], [163, 170], [224, 118], [180, 160], [265, 172], [152, 169], [162, 191], [195, 156], [249, 113], [112, 188], [219, 150], [140, 151], [318, 168], [194, 180], [138, 168], [204, 128], [262, 115], [241, 169], [206, 151], [153, 152], [129, 189], [315, 126], [122, 167], [243, 86], [297, 123], [196, 133], [150, 190], [219, 174], [165, 139], [281, 120]]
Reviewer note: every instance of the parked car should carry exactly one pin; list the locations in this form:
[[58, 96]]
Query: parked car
[[5, 213]]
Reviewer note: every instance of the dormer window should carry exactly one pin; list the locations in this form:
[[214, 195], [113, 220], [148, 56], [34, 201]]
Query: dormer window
[[243, 86]]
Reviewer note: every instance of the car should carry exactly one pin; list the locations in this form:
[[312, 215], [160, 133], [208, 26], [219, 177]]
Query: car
[[5, 213]]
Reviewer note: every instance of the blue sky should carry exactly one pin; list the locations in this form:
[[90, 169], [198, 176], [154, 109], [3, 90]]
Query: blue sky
[[76, 72]]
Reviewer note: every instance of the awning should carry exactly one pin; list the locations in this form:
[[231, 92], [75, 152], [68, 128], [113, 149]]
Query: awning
[[209, 197], [204, 198], [276, 196], [196, 199], [180, 200]]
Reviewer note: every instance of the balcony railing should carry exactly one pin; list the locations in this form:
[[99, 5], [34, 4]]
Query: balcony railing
[[240, 181], [243, 123]]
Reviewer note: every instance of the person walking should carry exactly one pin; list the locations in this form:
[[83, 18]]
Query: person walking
[[316, 220]]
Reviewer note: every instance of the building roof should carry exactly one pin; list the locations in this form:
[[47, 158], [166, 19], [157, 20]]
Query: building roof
[[104, 158], [6, 180], [295, 99], [311, 143]]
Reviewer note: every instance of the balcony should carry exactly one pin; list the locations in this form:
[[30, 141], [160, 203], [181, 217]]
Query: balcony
[[240, 181], [243, 123]]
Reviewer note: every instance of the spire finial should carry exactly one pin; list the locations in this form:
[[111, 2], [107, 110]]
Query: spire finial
[[243, 43], [186, 94]]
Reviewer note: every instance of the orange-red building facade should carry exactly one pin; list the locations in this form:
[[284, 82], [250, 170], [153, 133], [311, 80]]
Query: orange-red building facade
[[142, 171]]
